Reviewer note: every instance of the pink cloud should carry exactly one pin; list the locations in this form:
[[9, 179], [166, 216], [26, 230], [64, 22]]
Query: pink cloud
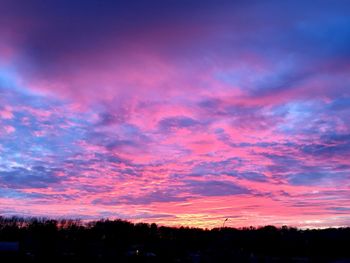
[[9, 129], [6, 114]]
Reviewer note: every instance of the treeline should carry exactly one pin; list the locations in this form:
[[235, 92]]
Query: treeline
[[48, 240]]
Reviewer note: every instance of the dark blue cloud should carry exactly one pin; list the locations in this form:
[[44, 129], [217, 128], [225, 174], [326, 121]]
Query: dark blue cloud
[[317, 178], [340, 210], [215, 188], [253, 176], [227, 167], [329, 145], [153, 197], [223, 167], [33, 177], [340, 104], [177, 122], [126, 135], [282, 163], [107, 118]]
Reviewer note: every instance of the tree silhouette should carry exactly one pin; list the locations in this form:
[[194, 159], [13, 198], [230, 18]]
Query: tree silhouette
[[67, 240]]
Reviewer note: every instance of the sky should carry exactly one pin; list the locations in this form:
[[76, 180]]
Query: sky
[[176, 112]]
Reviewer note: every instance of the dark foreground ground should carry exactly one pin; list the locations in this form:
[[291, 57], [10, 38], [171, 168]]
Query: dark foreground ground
[[42, 240]]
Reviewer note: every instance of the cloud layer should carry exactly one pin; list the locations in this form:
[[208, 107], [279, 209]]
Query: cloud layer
[[176, 112]]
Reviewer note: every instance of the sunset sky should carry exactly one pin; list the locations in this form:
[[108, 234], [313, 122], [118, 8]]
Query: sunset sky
[[176, 112]]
